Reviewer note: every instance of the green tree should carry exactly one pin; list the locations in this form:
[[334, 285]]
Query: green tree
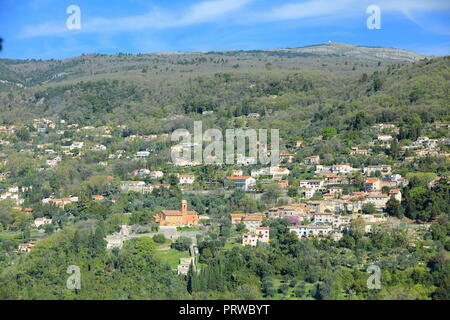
[[300, 290], [182, 244], [159, 238], [144, 246], [357, 228], [394, 208], [328, 133], [97, 242], [369, 208], [272, 193]]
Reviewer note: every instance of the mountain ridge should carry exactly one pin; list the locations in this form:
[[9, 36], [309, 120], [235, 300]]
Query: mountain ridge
[[332, 56], [334, 47]]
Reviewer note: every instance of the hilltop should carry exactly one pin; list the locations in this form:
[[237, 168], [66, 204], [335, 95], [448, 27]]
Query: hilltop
[[332, 57], [361, 52], [298, 90]]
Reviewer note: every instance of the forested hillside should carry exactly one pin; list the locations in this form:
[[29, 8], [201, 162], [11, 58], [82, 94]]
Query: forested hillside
[[85, 147], [298, 94]]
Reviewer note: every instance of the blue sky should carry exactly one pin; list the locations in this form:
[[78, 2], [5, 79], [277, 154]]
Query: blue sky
[[37, 28]]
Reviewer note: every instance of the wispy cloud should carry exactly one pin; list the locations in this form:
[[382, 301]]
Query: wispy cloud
[[414, 5], [310, 11], [44, 29], [157, 18], [306, 9], [340, 9]]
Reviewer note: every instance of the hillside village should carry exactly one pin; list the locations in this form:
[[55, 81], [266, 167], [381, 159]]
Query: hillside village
[[87, 178], [321, 206]]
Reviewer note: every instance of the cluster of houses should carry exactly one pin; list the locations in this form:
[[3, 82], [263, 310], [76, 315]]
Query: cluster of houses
[[305, 221], [252, 222], [326, 210], [378, 178], [60, 202], [13, 193], [146, 172], [38, 222], [140, 186], [68, 148], [276, 173], [424, 146]]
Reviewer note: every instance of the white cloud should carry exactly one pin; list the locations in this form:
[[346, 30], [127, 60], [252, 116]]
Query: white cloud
[[202, 12], [210, 10], [45, 29], [308, 9], [413, 5], [311, 12], [342, 8]]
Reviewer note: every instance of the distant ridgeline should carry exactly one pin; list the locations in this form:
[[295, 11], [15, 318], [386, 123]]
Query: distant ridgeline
[[300, 90]]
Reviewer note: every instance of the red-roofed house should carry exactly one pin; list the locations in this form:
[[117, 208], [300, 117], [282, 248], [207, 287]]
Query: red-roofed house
[[26, 247], [187, 179], [396, 193]]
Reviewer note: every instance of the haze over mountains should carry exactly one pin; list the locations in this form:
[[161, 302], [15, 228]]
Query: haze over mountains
[[331, 56]]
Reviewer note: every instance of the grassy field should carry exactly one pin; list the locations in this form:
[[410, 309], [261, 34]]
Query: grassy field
[[10, 235], [171, 256], [17, 235], [230, 244], [181, 229]]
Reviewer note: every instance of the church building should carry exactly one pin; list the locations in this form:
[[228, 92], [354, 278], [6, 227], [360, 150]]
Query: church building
[[178, 218]]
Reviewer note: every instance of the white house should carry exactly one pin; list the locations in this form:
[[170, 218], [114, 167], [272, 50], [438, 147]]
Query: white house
[[187, 179], [76, 145], [261, 234], [396, 193], [312, 184], [384, 138], [156, 174], [13, 189], [311, 230], [179, 162], [323, 218], [279, 173], [26, 247], [98, 147], [114, 241], [185, 264], [244, 182], [252, 221], [142, 154], [41, 222], [53, 162], [260, 172], [249, 239], [378, 199], [341, 168], [309, 193], [383, 169], [312, 160]]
